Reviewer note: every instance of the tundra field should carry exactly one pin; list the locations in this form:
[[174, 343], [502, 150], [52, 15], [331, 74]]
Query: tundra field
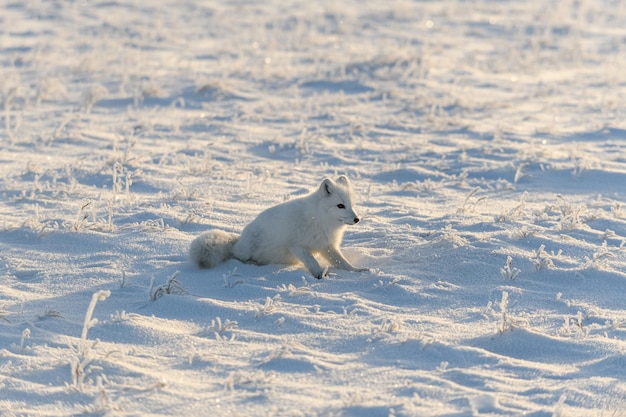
[[486, 142]]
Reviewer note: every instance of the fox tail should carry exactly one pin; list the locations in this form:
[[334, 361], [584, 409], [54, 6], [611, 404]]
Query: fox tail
[[212, 248]]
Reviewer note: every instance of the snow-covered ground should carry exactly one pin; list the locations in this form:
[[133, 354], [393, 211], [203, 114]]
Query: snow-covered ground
[[487, 144]]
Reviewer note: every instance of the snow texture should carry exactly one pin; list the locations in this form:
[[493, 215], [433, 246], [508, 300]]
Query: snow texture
[[486, 141]]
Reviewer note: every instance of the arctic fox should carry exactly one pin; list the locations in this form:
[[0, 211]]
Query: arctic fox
[[287, 233]]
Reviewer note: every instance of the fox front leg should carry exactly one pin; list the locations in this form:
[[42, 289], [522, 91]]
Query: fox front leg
[[335, 257], [306, 257]]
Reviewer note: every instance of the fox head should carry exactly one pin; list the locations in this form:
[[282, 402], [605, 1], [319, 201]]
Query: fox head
[[336, 200]]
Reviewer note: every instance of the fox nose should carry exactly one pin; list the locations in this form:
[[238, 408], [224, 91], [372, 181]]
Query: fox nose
[[356, 220]]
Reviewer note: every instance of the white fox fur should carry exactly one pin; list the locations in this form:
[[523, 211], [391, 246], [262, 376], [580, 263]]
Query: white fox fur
[[293, 231]]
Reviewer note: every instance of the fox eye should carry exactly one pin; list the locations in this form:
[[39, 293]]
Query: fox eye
[[341, 206]]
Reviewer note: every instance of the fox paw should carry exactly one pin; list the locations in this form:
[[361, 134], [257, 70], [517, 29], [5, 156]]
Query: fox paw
[[321, 274]]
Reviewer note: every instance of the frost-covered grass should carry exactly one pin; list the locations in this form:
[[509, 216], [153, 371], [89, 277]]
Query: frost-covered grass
[[486, 143]]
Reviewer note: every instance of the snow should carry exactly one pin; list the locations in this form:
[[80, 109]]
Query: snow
[[486, 144]]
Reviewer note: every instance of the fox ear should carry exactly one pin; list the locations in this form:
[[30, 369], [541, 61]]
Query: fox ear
[[343, 180], [327, 187]]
